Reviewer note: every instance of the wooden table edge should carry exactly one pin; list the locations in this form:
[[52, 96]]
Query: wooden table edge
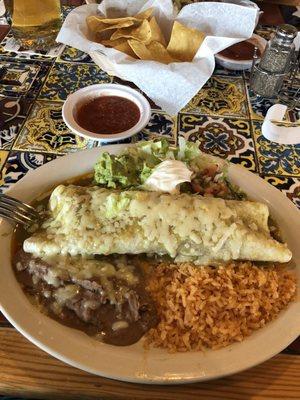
[[27, 371]]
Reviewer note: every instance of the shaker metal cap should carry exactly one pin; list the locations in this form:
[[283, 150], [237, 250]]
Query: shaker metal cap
[[286, 32]]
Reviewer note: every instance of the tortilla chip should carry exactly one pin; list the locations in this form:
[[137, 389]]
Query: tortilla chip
[[121, 45], [140, 49], [99, 37], [141, 32], [184, 42], [160, 53], [138, 36], [156, 33], [153, 51], [103, 28], [118, 21], [96, 24], [125, 48]]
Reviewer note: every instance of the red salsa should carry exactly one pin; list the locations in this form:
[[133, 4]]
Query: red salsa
[[240, 51], [108, 115]]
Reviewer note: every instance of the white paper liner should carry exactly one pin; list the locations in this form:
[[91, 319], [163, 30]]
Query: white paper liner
[[169, 86]]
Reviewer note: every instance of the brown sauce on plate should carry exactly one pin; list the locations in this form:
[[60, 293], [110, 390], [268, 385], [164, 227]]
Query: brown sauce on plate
[[108, 115], [135, 310], [240, 51]]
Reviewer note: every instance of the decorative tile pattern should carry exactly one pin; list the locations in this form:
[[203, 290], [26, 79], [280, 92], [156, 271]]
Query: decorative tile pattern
[[20, 79], [219, 70], [13, 56], [294, 114], [9, 132], [224, 137], [259, 106], [11, 107], [19, 163], [69, 54], [44, 69], [3, 157], [44, 130], [294, 193], [66, 10], [221, 95], [65, 78], [161, 125], [289, 186], [124, 141], [273, 158], [16, 78], [12, 116]]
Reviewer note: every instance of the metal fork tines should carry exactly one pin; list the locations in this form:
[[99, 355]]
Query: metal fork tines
[[17, 211]]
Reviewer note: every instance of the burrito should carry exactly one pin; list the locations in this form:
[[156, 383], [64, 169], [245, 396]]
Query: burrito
[[92, 220]]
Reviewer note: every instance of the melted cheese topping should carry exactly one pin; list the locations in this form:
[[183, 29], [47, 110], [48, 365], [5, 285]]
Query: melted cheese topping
[[65, 293], [66, 268], [92, 220]]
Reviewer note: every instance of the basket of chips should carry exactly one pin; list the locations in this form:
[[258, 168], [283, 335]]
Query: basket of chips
[[168, 55], [141, 37]]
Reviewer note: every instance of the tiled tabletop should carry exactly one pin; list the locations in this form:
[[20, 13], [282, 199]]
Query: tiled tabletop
[[222, 116]]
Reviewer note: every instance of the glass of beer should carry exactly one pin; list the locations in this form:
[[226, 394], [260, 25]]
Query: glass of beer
[[34, 23]]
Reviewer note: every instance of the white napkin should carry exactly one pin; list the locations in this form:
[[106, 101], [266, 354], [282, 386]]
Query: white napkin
[[169, 86]]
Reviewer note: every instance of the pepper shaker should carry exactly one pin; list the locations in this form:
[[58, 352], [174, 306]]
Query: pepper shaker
[[268, 76]]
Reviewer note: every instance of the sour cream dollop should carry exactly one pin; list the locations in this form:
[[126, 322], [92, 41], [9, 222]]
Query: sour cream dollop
[[167, 176]]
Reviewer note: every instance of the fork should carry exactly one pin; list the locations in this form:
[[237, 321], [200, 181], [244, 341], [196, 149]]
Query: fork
[[17, 211]]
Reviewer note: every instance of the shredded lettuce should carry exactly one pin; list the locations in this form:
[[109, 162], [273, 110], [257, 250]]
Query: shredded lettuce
[[131, 169], [187, 151], [236, 192], [135, 164]]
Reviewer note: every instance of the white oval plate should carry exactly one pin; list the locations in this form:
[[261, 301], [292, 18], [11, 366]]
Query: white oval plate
[[133, 363]]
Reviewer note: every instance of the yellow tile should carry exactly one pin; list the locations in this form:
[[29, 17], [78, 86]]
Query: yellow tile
[[3, 158], [220, 96]]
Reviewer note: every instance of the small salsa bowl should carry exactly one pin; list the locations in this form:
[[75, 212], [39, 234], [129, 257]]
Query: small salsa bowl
[[87, 94], [239, 65]]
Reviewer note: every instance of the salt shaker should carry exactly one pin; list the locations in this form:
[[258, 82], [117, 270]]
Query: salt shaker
[[267, 77]]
